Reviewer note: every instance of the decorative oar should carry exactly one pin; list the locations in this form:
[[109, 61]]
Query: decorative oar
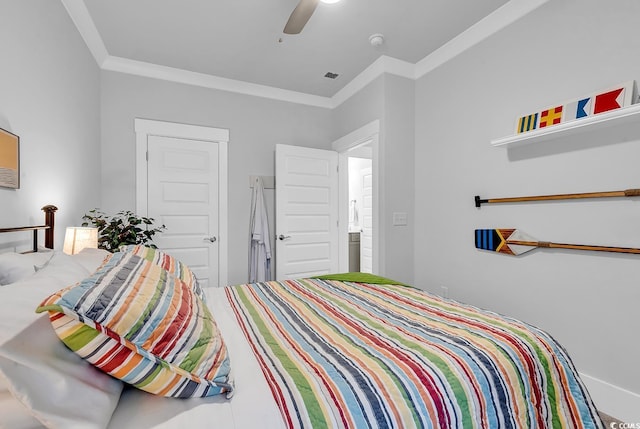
[[626, 193], [515, 242]]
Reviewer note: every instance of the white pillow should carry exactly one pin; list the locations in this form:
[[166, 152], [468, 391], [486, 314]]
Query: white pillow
[[59, 388], [19, 300], [14, 415], [53, 383], [16, 266], [91, 259]]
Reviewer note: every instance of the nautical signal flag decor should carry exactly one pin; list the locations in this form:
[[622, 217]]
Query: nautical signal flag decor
[[602, 101], [528, 123], [550, 117], [579, 108]]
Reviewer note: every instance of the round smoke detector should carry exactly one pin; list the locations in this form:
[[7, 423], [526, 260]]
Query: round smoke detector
[[376, 40]]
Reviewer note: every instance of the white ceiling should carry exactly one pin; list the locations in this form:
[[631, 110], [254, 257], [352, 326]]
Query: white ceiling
[[237, 42]]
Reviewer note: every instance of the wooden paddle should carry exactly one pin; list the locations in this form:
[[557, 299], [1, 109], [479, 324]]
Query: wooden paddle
[[626, 193], [514, 242]]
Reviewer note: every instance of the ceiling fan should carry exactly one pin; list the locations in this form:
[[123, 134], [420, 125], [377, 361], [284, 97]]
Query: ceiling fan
[[301, 15]]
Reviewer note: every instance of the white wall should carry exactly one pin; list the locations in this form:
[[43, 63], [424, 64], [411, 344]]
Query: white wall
[[397, 174], [50, 91], [389, 99], [587, 301], [256, 125]]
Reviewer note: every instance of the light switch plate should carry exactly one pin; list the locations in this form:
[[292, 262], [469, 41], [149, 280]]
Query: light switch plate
[[399, 219]]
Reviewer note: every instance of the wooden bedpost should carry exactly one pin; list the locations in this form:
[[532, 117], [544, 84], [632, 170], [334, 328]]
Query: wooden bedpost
[[49, 221]]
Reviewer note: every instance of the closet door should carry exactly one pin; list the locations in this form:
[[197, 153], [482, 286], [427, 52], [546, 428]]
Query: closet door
[[183, 195], [181, 182]]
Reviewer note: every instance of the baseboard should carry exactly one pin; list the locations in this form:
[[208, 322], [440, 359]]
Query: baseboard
[[613, 400]]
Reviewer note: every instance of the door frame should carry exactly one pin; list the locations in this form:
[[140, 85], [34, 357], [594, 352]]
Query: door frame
[[148, 127], [343, 145]]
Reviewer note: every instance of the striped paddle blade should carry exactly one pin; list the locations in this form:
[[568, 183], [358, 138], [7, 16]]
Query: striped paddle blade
[[515, 242], [497, 240]]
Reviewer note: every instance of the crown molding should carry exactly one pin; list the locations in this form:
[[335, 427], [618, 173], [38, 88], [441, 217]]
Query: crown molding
[[79, 14], [383, 64], [491, 24], [155, 71], [500, 18]]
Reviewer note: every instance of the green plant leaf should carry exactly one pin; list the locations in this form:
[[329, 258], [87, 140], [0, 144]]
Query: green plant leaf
[[121, 228]]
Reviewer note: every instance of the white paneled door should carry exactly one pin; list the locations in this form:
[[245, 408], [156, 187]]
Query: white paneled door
[[183, 195], [181, 181], [306, 212], [366, 237]]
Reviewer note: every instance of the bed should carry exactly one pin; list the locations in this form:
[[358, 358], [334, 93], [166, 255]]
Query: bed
[[347, 350]]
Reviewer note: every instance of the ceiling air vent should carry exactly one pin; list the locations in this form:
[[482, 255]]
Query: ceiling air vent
[[331, 75]]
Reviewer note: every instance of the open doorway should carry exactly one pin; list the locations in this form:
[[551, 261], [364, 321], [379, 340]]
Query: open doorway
[[360, 145], [360, 200]]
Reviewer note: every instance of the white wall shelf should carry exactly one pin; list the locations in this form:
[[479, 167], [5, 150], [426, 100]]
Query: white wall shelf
[[592, 123]]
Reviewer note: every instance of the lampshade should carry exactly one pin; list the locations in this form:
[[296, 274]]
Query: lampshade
[[77, 238]]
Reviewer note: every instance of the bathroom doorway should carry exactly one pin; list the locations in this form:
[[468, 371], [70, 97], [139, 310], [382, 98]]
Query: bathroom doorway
[[360, 143], [360, 199]]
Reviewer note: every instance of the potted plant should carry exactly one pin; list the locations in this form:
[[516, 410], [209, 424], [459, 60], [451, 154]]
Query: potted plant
[[125, 227]]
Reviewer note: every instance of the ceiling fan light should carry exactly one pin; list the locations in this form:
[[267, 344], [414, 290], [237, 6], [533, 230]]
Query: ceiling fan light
[[329, 1]]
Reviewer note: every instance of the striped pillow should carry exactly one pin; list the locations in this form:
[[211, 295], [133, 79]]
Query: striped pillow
[[169, 263], [137, 322]]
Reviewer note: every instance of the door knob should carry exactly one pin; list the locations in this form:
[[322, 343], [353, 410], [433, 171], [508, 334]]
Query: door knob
[[212, 239], [283, 237]]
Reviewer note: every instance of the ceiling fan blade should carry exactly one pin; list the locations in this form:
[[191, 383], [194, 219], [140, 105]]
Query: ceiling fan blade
[[300, 16]]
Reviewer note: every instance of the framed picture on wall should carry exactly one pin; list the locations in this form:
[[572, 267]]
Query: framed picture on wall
[[9, 160]]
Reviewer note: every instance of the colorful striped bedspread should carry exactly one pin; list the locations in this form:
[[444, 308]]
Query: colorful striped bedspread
[[346, 354]]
